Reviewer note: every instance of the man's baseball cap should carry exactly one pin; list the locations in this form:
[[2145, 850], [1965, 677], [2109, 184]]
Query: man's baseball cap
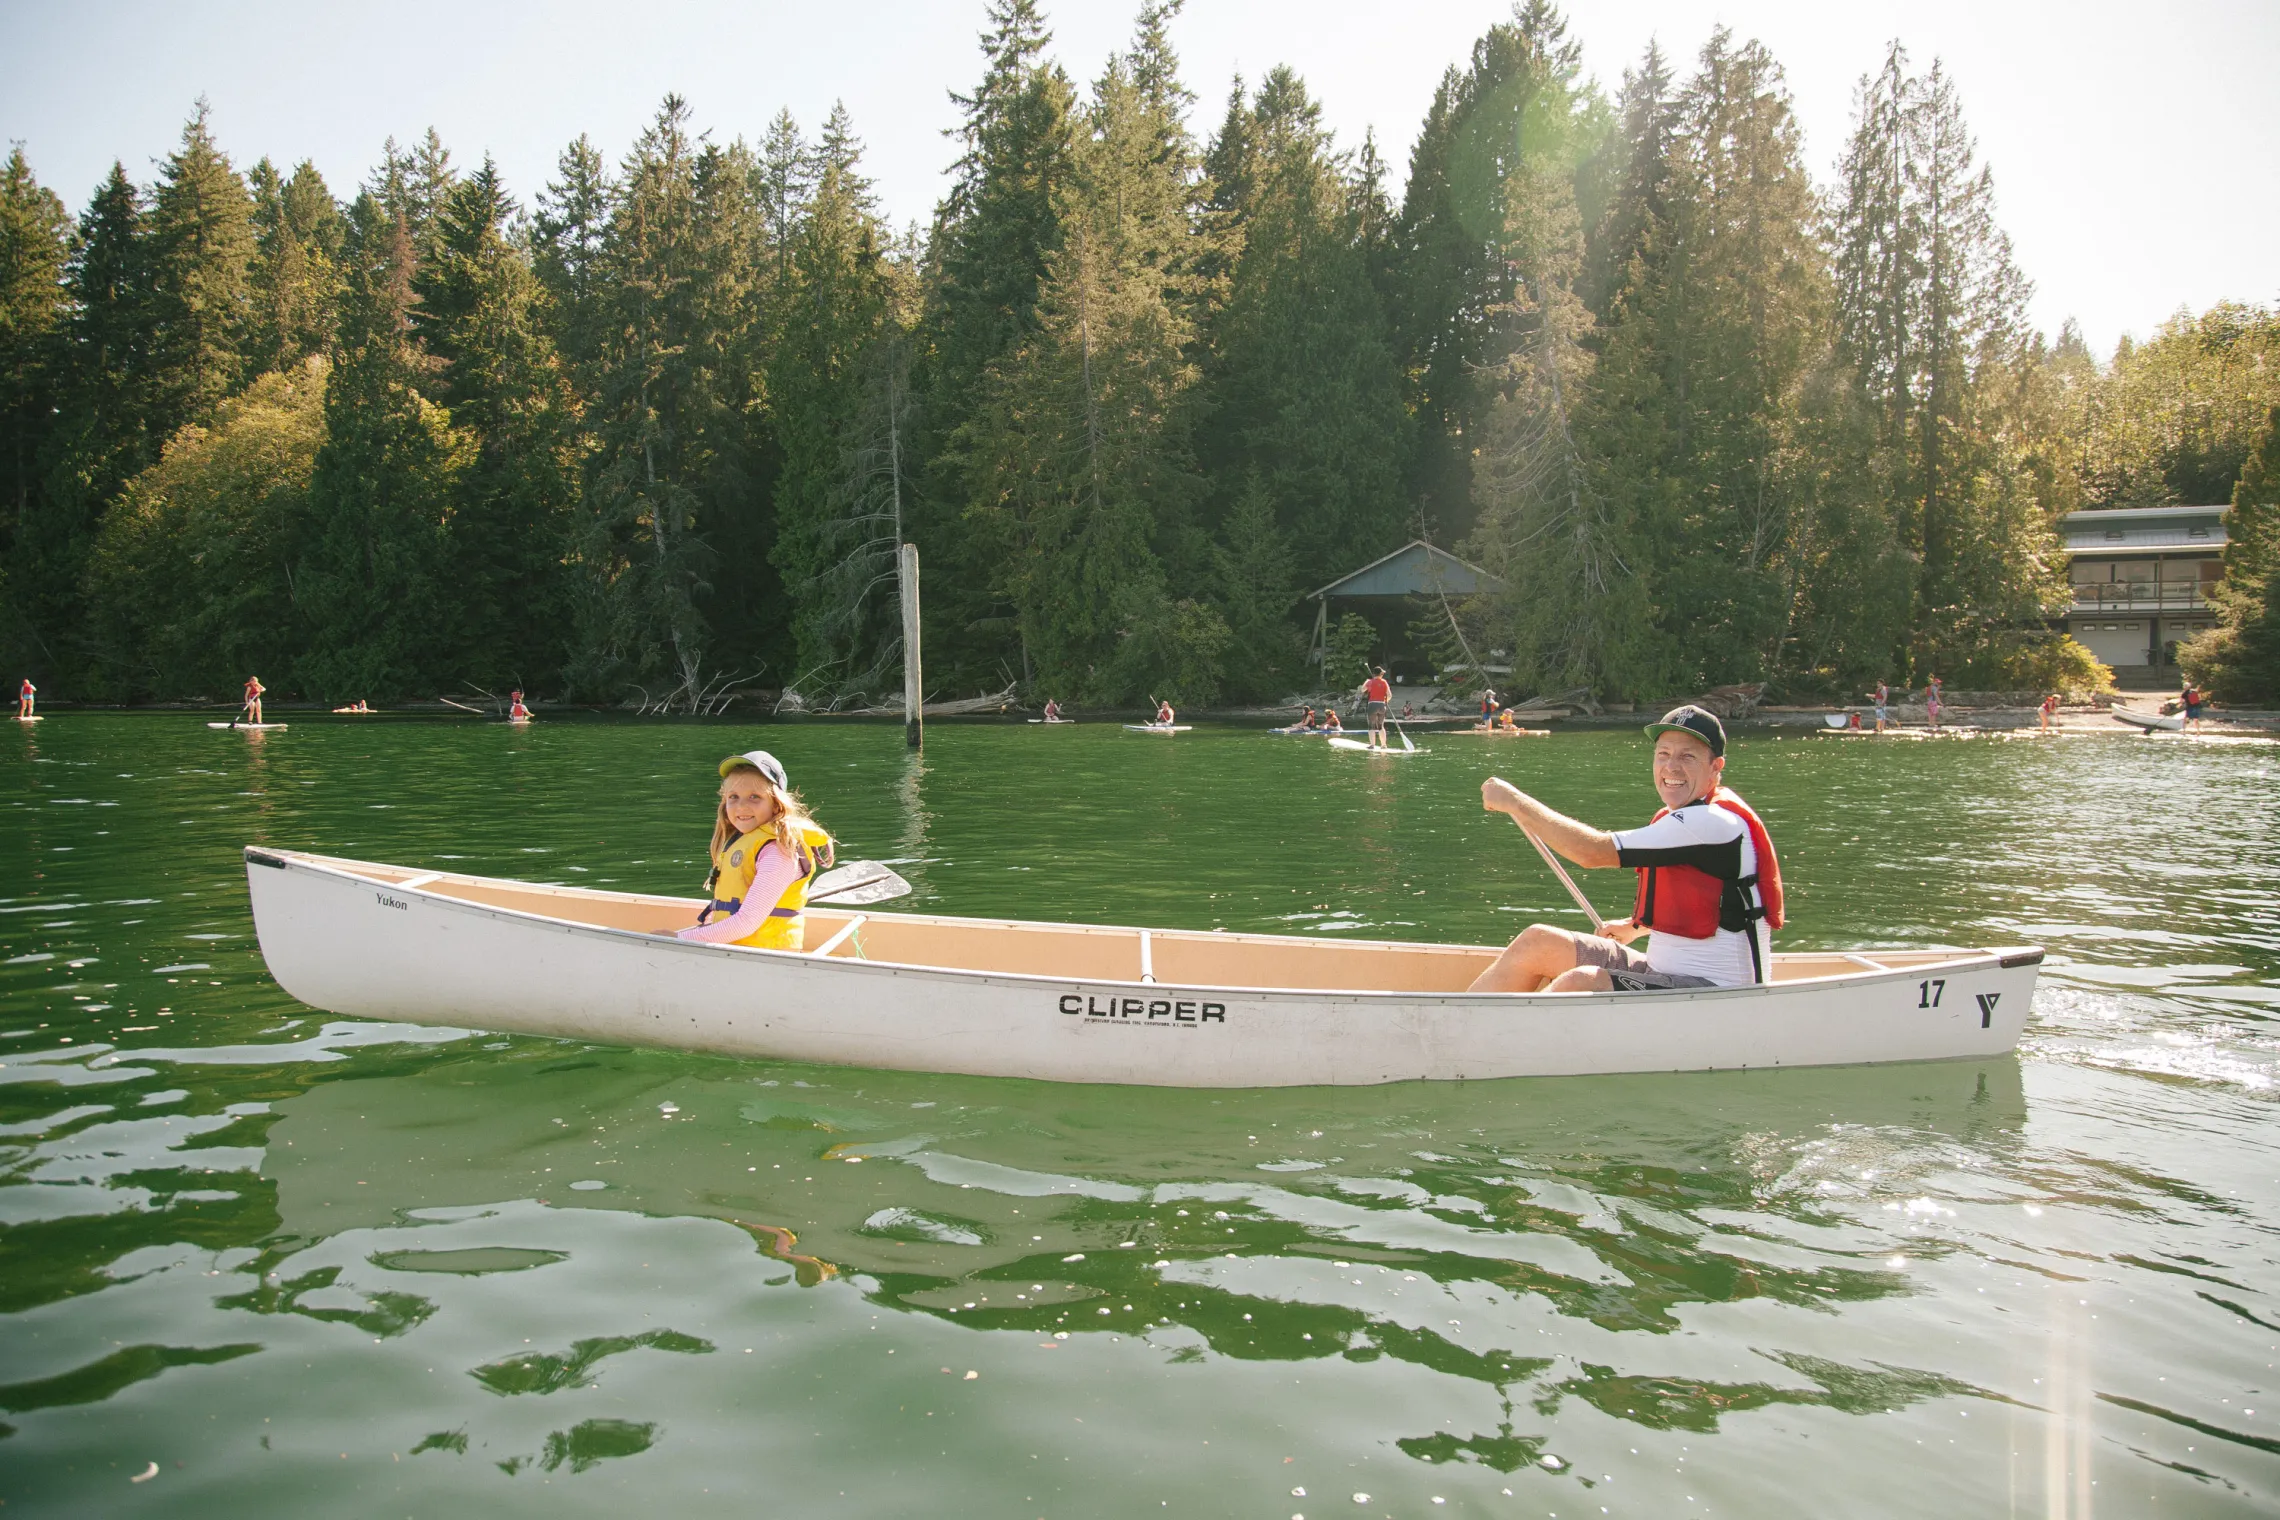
[[763, 762], [1702, 723]]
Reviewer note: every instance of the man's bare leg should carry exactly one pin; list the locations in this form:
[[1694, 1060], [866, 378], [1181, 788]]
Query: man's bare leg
[[1535, 961]]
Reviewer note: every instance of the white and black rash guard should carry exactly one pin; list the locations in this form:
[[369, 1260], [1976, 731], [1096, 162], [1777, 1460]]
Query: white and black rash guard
[[1710, 839]]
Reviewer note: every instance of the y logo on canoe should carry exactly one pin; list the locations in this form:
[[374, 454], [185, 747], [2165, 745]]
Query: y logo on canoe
[[1987, 1001]]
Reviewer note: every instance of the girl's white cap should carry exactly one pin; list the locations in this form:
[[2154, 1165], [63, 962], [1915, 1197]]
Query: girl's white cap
[[763, 762]]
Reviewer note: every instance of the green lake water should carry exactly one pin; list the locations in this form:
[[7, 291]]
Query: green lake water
[[308, 1266]]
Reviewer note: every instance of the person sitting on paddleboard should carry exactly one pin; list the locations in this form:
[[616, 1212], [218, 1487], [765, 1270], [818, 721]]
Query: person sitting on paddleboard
[[1376, 697], [766, 850], [516, 712], [1306, 722], [1164, 715], [1330, 723], [26, 696], [1709, 883], [1052, 711], [253, 691]]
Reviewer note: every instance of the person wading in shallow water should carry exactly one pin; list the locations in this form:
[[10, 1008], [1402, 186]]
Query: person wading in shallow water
[[1709, 885]]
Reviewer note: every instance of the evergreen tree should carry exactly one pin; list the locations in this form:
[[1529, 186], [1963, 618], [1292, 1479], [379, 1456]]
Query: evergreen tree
[[294, 279], [838, 376], [35, 243], [496, 375], [200, 254], [993, 235], [1305, 388], [374, 582], [1575, 607], [668, 381], [104, 433], [2240, 657], [1086, 466], [1520, 99], [568, 230], [1929, 304]]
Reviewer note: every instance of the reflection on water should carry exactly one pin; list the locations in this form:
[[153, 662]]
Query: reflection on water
[[281, 1255]]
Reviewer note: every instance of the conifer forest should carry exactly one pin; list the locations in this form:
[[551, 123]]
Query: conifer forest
[[1713, 410]]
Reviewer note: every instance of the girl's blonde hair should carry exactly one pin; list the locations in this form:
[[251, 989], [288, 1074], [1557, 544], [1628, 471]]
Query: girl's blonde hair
[[790, 813]]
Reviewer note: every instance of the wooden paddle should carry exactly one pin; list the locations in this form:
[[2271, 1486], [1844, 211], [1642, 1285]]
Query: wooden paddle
[[856, 883], [1598, 924]]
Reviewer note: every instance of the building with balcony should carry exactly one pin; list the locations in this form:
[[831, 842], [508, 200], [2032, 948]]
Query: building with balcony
[[2141, 578]]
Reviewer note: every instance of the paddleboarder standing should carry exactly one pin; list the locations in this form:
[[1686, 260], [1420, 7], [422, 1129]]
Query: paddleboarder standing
[[1709, 883], [27, 697], [2048, 710], [2190, 697], [1883, 701], [1376, 695], [253, 691], [1932, 702]]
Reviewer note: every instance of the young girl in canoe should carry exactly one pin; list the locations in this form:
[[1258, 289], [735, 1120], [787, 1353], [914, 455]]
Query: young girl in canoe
[[766, 849]]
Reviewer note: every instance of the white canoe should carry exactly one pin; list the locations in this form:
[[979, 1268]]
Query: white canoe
[[2138, 717], [1071, 1002]]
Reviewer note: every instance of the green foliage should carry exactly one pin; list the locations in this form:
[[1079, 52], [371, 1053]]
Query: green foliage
[[1350, 645], [1305, 392], [2239, 659], [839, 379], [35, 234], [191, 581], [376, 583], [1130, 396]]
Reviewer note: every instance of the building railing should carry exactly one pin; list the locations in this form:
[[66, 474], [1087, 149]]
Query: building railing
[[2139, 596]]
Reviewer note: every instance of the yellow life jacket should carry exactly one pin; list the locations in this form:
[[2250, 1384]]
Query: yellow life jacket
[[732, 878]]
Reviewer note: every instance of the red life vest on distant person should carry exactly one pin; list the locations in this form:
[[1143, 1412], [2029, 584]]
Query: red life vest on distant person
[[1693, 904]]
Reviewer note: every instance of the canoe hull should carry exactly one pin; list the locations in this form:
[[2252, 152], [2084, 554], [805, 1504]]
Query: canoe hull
[[369, 948], [2136, 718]]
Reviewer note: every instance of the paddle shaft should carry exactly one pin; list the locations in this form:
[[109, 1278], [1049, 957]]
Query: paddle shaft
[[1598, 924]]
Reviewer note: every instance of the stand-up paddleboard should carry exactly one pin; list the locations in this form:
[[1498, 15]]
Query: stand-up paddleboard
[[1365, 747], [1158, 728], [1054, 722], [2149, 721], [1295, 732], [35, 718], [250, 728]]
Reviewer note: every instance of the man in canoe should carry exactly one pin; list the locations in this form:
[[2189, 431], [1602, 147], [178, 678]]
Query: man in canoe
[[1709, 883]]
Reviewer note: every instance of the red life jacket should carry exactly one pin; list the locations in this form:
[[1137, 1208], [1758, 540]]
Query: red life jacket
[[1689, 902]]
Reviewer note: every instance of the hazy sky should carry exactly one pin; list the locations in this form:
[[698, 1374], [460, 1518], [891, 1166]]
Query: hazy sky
[[2134, 147]]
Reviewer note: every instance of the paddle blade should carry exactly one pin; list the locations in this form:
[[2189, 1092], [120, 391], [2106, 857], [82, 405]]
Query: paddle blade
[[856, 883]]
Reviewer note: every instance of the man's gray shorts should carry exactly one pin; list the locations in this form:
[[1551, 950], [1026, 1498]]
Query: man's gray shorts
[[1627, 969]]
